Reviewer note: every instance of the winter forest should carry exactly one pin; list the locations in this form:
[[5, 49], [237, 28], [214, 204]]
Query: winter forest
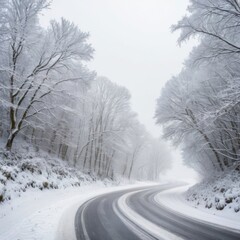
[[119, 119], [52, 101], [199, 108]]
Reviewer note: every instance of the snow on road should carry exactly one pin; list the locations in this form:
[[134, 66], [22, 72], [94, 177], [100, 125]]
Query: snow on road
[[145, 224], [174, 200], [49, 214]]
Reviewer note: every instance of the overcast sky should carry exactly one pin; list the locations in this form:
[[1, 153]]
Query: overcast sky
[[133, 42]]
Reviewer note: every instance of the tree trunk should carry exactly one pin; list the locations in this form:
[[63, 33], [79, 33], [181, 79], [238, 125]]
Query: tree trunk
[[131, 167], [10, 142], [213, 150], [191, 115]]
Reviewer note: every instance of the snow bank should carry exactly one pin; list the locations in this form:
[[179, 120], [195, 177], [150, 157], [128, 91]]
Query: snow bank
[[148, 226], [48, 214], [35, 190], [36, 170], [39, 195], [175, 200], [221, 193]]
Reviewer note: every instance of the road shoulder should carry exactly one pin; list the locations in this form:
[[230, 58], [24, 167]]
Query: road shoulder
[[173, 199]]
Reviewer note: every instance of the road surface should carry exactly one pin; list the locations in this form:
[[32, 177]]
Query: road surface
[[134, 214]]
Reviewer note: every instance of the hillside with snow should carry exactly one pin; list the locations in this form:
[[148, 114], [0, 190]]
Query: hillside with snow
[[221, 193], [20, 173]]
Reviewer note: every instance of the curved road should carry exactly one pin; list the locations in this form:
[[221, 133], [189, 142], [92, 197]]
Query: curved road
[[107, 217]]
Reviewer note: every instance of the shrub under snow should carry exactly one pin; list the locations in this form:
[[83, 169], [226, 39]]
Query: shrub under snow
[[20, 172], [220, 192]]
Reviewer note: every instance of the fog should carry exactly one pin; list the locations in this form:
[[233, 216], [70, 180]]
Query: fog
[[134, 47]]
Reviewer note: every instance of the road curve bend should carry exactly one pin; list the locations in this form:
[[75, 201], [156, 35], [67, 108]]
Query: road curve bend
[[134, 215]]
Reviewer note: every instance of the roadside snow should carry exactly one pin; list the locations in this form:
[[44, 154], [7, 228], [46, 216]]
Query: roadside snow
[[47, 214], [20, 173], [40, 194], [156, 231], [220, 192], [174, 199]]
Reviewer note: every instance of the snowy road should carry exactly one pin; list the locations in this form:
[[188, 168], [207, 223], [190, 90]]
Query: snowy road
[[134, 214]]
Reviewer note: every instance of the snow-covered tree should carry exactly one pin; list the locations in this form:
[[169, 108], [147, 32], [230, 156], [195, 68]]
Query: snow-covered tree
[[216, 23], [35, 63], [199, 107], [51, 100]]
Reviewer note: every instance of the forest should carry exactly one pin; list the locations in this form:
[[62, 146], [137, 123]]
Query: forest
[[51, 100], [130, 131], [199, 108]]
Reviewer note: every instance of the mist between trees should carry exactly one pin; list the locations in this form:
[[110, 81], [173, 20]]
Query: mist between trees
[[199, 108], [51, 100]]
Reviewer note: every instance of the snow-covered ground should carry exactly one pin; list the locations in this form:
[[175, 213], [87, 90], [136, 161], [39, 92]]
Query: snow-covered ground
[[48, 214], [39, 195], [220, 192], [20, 173], [175, 200], [215, 200], [148, 226]]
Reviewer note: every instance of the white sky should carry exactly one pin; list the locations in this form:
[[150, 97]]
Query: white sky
[[134, 46]]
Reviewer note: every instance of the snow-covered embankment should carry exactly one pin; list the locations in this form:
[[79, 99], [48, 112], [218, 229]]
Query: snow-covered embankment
[[175, 200]]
